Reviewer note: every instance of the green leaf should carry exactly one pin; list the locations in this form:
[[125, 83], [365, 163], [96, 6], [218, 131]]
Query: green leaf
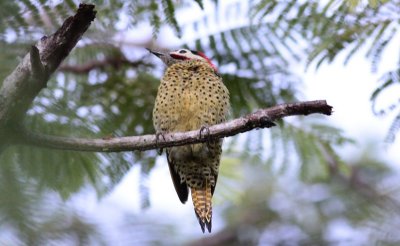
[[169, 11]]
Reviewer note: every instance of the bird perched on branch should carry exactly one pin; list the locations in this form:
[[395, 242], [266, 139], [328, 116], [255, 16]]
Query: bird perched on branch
[[192, 96]]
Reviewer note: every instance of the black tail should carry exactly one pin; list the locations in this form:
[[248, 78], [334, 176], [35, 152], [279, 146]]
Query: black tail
[[204, 224]]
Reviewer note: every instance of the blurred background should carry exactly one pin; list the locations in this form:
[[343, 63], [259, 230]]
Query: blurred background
[[314, 180]]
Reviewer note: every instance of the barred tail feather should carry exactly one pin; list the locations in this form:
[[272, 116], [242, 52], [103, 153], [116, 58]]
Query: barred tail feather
[[202, 205]]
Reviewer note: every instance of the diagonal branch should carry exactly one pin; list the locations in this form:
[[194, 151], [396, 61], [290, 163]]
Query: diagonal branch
[[21, 87], [261, 119]]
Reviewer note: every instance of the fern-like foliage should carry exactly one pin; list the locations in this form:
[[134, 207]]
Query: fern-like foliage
[[254, 44], [389, 81], [336, 27]]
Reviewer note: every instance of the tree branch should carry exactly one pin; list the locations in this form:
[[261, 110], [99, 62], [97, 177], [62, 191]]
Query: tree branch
[[261, 119], [114, 61], [21, 87]]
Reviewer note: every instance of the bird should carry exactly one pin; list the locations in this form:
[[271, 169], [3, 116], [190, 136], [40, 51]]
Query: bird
[[192, 96]]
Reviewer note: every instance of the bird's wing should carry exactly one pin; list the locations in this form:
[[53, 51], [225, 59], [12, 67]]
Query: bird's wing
[[181, 188]]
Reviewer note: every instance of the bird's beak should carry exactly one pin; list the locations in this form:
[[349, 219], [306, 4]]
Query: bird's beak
[[158, 54]]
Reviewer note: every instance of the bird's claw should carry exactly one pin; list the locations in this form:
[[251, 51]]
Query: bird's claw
[[207, 134], [266, 121], [158, 134]]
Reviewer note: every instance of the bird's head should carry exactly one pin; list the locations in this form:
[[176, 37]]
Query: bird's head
[[181, 55]]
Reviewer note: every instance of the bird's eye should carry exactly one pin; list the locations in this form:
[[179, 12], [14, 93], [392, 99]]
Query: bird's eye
[[182, 51]]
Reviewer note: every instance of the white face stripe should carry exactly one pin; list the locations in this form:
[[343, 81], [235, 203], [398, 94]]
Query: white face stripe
[[188, 54]]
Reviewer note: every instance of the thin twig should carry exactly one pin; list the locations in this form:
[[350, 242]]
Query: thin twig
[[114, 62]]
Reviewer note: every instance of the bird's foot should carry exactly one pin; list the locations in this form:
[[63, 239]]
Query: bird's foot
[[158, 134], [205, 131], [266, 121]]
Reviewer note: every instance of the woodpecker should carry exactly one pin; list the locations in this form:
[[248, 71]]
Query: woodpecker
[[191, 96]]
